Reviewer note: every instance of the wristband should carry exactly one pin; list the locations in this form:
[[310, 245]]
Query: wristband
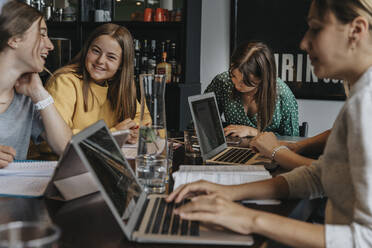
[[44, 103], [276, 149]]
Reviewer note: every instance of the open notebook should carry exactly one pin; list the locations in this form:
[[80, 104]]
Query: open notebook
[[226, 175], [26, 178]]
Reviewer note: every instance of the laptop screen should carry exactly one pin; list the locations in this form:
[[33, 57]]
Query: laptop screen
[[208, 123], [112, 171]]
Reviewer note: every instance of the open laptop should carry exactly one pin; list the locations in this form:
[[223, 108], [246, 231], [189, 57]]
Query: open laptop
[[71, 179], [142, 217], [212, 141]]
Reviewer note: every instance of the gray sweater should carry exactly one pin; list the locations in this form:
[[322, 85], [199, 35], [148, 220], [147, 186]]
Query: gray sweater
[[344, 172]]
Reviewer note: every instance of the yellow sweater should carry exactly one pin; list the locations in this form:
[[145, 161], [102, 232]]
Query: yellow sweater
[[67, 92]]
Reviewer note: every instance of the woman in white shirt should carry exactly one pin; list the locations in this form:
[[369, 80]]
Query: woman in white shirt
[[339, 42]]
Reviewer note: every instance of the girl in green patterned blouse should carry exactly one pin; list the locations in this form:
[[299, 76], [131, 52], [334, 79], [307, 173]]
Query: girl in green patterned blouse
[[251, 97]]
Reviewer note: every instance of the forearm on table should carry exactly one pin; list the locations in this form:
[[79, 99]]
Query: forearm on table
[[314, 145], [288, 159], [274, 188], [288, 231]]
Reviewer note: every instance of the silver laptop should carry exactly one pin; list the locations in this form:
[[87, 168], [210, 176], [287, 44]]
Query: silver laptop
[[142, 217], [212, 141], [71, 178]]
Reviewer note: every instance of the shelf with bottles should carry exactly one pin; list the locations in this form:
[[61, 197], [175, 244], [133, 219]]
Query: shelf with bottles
[[158, 57], [63, 24], [145, 25]]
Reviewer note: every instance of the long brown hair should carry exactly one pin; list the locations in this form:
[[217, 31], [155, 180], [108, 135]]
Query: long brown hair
[[15, 19], [256, 58], [122, 90]]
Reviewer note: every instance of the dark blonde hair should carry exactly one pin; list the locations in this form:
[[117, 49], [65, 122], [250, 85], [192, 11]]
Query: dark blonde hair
[[15, 19], [122, 90], [256, 58], [345, 10]]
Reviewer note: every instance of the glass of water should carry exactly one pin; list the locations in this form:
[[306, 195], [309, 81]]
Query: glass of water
[[151, 160], [151, 173], [22, 234]]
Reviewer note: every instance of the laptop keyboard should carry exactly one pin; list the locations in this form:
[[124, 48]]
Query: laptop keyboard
[[235, 155], [163, 221]]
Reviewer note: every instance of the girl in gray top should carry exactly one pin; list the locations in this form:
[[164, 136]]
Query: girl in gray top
[[26, 108], [339, 42]]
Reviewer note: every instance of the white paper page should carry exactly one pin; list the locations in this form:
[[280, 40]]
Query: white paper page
[[23, 186], [24, 169], [227, 175]]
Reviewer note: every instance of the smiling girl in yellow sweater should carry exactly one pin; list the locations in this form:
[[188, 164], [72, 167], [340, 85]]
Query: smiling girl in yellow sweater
[[99, 83]]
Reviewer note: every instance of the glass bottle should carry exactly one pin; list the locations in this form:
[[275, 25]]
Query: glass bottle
[[161, 50], [137, 57], [144, 59], [173, 62], [151, 62], [164, 68]]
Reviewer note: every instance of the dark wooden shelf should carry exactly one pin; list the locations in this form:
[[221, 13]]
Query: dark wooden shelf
[[138, 24], [53, 24]]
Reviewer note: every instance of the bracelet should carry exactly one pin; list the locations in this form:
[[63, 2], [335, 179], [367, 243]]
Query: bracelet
[[276, 149], [44, 103]]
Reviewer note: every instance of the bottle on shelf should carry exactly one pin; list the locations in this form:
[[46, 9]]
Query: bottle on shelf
[[137, 57], [164, 68], [152, 59], [160, 52], [144, 57], [173, 62], [167, 46]]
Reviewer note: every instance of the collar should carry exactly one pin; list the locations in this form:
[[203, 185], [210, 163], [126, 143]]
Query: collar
[[363, 81]]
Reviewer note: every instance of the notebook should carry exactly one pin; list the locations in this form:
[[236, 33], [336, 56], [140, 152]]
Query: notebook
[[226, 175], [141, 217], [25, 178], [212, 141]]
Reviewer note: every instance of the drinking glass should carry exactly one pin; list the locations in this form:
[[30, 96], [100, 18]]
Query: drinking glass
[[29, 235], [192, 148], [151, 160], [169, 161]]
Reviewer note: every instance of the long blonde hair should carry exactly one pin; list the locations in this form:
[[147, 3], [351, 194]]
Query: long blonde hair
[[346, 10], [122, 90]]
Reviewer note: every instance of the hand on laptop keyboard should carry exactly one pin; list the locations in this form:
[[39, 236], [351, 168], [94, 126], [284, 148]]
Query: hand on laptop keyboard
[[240, 130], [215, 209]]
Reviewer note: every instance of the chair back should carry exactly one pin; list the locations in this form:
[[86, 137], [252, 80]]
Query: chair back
[[304, 128]]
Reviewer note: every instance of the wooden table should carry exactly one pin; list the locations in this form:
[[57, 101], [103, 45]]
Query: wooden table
[[88, 222]]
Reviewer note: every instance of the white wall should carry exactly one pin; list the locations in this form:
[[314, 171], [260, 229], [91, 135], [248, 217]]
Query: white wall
[[320, 114], [215, 45], [215, 39]]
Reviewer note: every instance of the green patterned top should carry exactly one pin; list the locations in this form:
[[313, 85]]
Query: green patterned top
[[285, 120]]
